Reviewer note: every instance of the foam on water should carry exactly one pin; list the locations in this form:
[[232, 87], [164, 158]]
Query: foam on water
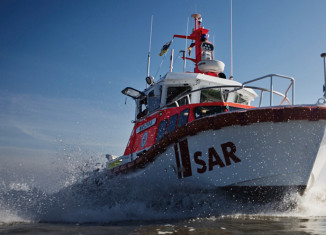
[[312, 203], [89, 196], [8, 216]]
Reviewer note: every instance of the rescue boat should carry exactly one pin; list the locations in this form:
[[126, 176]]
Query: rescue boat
[[202, 130]]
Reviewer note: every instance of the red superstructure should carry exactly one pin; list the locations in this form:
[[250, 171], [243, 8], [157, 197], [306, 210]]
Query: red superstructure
[[135, 142]]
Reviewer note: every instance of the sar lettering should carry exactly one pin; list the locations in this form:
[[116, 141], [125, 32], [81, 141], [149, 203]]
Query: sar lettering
[[200, 162], [204, 161], [214, 158]]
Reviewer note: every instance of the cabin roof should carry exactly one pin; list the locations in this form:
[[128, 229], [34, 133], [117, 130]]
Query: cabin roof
[[180, 78]]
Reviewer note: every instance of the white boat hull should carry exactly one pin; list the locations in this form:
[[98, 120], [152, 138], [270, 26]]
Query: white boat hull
[[270, 154], [265, 155]]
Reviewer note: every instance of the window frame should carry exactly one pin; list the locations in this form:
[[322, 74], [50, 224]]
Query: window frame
[[180, 124], [168, 129], [161, 130]]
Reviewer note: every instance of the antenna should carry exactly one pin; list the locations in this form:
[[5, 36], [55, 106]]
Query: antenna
[[149, 49], [214, 45], [184, 55], [323, 55], [231, 50]]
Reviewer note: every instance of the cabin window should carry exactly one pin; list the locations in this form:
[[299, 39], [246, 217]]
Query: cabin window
[[142, 108], [203, 111], [225, 95], [174, 92], [210, 95], [161, 130], [183, 119], [154, 99], [183, 101], [172, 123], [143, 104], [240, 99]]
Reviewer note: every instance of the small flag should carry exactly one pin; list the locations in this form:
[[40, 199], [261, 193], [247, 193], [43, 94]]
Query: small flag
[[190, 47], [165, 48]]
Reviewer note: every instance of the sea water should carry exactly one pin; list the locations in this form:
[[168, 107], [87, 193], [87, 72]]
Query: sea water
[[85, 201]]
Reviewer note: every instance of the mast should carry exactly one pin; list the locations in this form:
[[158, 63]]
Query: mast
[[198, 34]]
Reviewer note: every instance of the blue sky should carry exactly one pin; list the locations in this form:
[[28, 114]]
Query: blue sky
[[63, 64]]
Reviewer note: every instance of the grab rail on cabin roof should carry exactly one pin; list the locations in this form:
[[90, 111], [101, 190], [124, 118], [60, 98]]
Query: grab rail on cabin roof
[[271, 86], [243, 86]]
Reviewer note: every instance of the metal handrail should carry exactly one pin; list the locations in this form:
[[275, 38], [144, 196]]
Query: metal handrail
[[271, 85], [238, 87], [243, 86]]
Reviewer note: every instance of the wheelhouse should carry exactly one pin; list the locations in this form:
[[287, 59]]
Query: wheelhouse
[[176, 89]]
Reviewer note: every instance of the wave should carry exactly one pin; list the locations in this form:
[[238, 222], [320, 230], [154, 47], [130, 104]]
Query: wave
[[89, 196]]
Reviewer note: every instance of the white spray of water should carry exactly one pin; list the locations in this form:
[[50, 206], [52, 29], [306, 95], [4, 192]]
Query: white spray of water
[[87, 195], [312, 203]]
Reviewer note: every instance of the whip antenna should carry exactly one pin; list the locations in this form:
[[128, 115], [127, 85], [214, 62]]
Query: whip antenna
[[149, 50], [184, 60], [231, 62]]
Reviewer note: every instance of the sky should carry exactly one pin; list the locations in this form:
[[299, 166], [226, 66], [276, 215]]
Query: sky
[[63, 63]]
